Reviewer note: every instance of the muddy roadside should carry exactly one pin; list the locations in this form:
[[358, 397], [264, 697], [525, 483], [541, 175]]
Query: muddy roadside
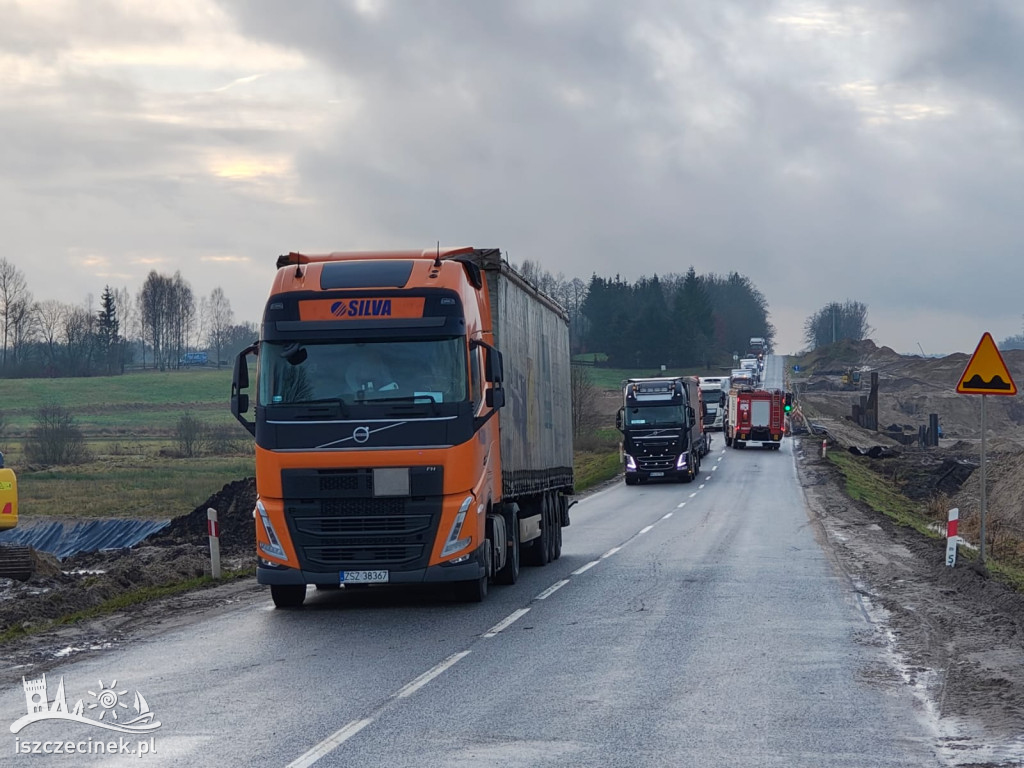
[[952, 635]]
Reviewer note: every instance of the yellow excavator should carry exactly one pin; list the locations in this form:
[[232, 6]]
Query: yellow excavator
[[16, 561]]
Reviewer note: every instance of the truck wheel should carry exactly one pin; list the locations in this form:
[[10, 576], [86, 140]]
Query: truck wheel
[[554, 526], [632, 479], [288, 595], [510, 573], [728, 442], [738, 444], [472, 591], [540, 548], [475, 591], [327, 587], [558, 534]]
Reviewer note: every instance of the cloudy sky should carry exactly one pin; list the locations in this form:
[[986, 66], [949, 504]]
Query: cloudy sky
[[870, 151]]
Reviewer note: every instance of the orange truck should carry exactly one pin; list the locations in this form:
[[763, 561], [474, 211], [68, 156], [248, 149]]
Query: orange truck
[[755, 417], [412, 419]]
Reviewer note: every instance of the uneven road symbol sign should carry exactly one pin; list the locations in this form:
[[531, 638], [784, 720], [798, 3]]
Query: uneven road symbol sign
[[986, 373]]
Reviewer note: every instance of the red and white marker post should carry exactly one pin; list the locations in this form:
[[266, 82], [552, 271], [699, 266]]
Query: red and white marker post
[[952, 539], [213, 530]]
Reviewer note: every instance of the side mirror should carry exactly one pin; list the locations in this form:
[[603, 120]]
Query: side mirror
[[691, 415], [618, 419], [239, 383], [494, 369], [495, 398]]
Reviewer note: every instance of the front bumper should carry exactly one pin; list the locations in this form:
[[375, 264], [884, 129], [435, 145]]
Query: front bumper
[[470, 570]]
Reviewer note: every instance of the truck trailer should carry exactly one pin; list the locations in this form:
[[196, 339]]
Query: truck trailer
[[755, 417], [662, 433], [412, 420]]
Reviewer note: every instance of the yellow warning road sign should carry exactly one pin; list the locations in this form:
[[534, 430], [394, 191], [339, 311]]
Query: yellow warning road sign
[[986, 373]]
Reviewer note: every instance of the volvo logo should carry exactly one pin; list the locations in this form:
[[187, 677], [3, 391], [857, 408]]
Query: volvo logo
[[361, 434]]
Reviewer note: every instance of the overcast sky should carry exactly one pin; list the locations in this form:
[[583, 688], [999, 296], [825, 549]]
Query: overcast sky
[[829, 151]]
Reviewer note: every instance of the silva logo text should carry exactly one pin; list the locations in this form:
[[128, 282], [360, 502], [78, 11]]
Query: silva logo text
[[362, 308]]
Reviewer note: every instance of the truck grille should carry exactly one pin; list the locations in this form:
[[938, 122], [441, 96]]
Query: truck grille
[[656, 461], [337, 524]]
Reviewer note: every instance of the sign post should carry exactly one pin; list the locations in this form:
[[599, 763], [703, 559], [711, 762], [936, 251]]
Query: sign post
[[986, 374]]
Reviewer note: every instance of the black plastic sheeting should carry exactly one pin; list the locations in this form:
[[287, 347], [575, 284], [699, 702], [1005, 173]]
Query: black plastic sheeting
[[63, 540]]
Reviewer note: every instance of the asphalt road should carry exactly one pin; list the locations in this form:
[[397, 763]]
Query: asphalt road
[[684, 625]]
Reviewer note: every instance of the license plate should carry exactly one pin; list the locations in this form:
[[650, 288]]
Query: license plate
[[364, 577], [657, 474]]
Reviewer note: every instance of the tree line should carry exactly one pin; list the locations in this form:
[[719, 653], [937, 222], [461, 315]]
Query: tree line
[[676, 320], [152, 329]]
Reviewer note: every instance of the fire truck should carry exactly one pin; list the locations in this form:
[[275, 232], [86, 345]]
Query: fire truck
[[755, 417]]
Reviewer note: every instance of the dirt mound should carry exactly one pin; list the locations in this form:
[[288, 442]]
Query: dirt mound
[[177, 553], [234, 504]]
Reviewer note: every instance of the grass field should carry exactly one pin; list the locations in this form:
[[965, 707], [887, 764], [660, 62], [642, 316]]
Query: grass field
[[136, 405]]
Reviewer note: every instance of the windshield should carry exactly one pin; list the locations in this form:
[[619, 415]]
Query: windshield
[[432, 370], [655, 416]]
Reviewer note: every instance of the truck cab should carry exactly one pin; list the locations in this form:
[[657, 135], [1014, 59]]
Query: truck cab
[[661, 434]]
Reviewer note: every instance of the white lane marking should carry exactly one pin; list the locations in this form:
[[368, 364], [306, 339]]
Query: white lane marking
[[706, 479], [507, 622], [714, 468], [552, 589], [329, 744], [680, 506], [642, 531], [693, 494], [584, 568], [610, 552], [667, 515], [700, 487], [408, 690]]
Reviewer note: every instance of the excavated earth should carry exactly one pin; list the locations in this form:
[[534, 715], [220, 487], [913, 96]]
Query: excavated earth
[[955, 636]]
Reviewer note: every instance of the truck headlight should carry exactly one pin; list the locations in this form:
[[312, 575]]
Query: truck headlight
[[630, 463], [454, 543], [274, 548], [681, 461]]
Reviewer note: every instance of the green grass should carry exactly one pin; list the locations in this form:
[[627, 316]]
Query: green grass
[[137, 487], [878, 493], [611, 378], [591, 469], [142, 403]]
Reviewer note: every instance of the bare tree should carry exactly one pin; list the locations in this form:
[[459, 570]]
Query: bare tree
[[220, 318], [153, 307], [77, 334], [51, 315], [14, 300], [835, 322], [584, 401]]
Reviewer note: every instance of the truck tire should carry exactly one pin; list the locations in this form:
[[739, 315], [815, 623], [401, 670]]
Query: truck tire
[[558, 538], [510, 573], [288, 595], [475, 590], [540, 548], [728, 442], [632, 479], [471, 591], [555, 526]]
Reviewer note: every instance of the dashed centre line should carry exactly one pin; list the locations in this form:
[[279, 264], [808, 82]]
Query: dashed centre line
[[507, 622]]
